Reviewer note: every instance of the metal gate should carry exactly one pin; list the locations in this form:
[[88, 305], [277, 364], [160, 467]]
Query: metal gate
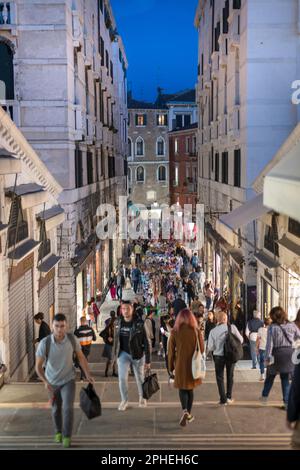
[[46, 300], [21, 329]]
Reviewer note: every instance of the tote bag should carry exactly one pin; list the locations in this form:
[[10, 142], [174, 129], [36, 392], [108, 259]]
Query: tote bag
[[198, 362]]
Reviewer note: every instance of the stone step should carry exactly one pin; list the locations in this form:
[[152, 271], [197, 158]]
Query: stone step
[[199, 442]]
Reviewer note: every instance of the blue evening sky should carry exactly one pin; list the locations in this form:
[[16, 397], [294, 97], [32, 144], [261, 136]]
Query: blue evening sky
[[160, 42]]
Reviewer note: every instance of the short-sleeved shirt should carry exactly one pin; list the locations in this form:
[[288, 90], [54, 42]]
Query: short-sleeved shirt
[[59, 368]]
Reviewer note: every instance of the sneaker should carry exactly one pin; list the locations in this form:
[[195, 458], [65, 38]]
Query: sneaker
[[262, 377], [253, 367], [184, 419], [58, 438], [142, 403], [221, 403], [263, 400], [190, 418], [230, 401], [123, 405], [66, 442]]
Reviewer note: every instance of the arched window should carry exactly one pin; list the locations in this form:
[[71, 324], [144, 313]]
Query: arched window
[[129, 175], [140, 174], [129, 147], [139, 146], [160, 146], [162, 173], [6, 72]]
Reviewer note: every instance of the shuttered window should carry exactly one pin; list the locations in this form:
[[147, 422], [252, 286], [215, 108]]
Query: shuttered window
[[18, 227]]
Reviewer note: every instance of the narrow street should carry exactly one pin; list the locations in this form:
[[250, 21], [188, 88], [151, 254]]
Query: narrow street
[[26, 415]]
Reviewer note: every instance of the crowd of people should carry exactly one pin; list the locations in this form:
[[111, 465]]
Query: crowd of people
[[174, 310]]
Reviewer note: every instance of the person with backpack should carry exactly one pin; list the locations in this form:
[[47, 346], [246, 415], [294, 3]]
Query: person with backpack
[[225, 342], [57, 352], [86, 335]]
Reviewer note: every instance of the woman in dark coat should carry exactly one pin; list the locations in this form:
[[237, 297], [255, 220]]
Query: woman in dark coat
[[181, 347], [44, 329]]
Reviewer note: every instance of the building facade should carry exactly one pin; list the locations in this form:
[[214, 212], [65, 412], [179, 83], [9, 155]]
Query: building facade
[[148, 154], [29, 255], [247, 61], [65, 88], [183, 166]]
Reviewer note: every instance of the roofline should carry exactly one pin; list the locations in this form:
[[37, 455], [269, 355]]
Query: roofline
[[183, 130], [20, 146]]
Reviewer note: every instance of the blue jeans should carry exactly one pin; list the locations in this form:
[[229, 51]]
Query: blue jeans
[[261, 359], [63, 408], [208, 302], [285, 386], [253, 353], [124, 362]]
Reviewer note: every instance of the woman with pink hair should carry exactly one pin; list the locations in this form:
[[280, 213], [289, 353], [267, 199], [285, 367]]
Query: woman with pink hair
[[181, 347]]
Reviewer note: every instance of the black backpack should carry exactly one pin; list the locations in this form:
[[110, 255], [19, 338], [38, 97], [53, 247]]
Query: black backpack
[[233, 349]]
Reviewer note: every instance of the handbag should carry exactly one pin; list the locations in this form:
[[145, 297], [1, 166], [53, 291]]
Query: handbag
[[198, 362], [90, 402], [150, 385]]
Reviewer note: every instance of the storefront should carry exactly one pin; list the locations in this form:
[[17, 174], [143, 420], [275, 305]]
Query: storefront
[[293, 294], [270, 297], [217, 270], [79, 296], [47, 296]]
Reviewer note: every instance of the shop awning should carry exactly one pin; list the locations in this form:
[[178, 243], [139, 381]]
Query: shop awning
[[82, 257], [8, 163], [289, 245], [249, 211], [23, 250], [269, 262], [52, 217], [31, 194], [49, 264], [3, 227], [282, 185]]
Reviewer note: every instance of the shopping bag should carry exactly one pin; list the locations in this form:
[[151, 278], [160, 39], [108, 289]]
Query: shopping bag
[[198, 362], [150, 385], [90, 402]]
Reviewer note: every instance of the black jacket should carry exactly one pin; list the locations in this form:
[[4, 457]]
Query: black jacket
[[44, 331], [293, 412], [139, 343]]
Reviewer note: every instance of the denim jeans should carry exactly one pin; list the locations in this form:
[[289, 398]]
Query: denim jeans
[[124, 362], [186, 399], [261, 359], [63, 408], [285, 386], [220, 364], [119, 292], [253, 353]]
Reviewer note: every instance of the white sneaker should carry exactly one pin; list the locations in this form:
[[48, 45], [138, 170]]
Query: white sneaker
[[123, 406], [230, 401], [262, 377], [142, 403]]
